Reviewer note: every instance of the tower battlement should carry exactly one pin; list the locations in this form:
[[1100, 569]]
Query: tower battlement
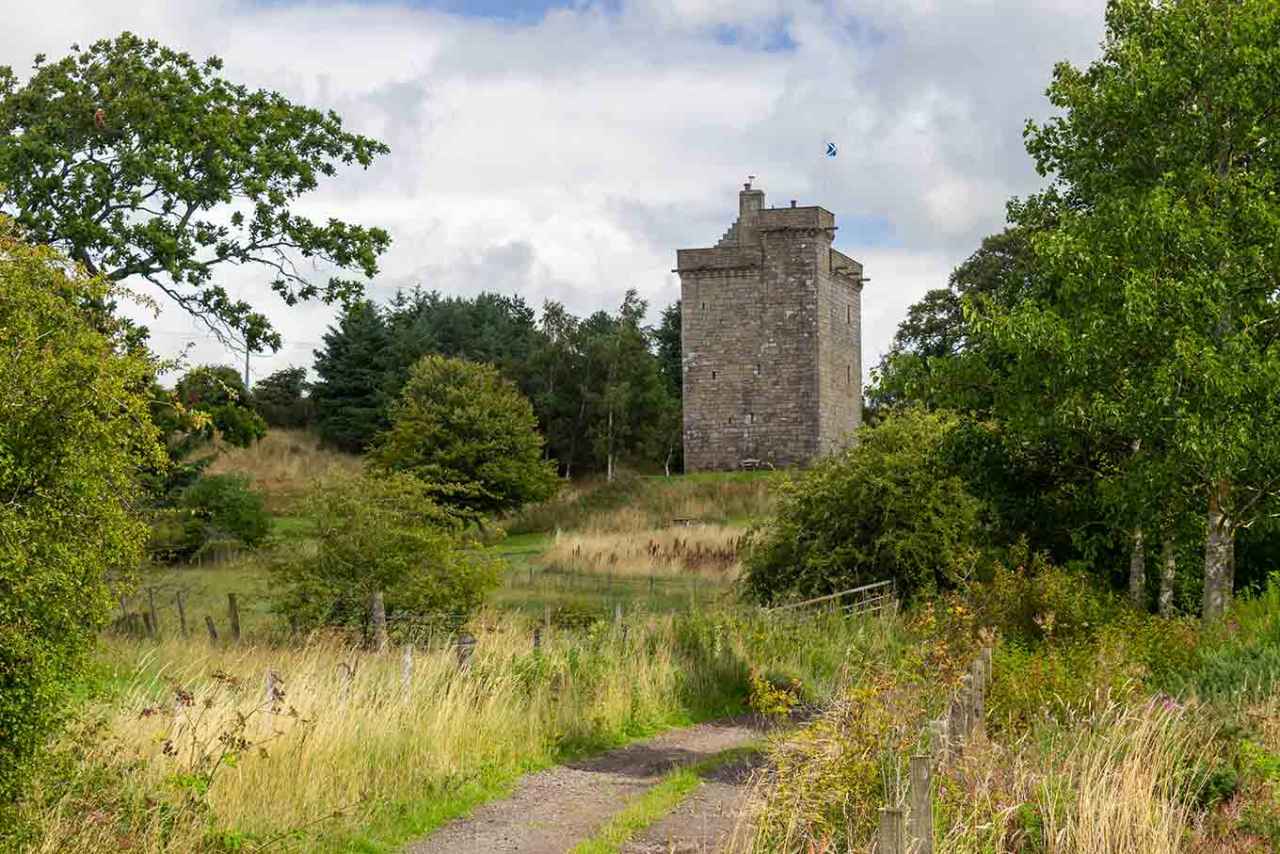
[[771, 336]]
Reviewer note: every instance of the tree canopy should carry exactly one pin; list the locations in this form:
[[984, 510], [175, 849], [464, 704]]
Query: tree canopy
[[142, 163], [1114, 352], [281, 398], [218, 391], [384, 534], [469, 434], [577, 372]]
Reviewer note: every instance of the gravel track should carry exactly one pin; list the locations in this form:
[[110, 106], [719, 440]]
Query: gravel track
[[553, 810]]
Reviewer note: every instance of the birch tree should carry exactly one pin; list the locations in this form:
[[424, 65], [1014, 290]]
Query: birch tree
[[1164, 326]]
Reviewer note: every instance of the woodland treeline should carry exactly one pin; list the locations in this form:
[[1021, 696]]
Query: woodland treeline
[[605, 388]]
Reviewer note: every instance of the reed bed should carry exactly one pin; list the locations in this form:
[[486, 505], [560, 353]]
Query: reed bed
[[708, 550]]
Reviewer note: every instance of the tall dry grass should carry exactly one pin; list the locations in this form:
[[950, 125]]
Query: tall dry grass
[[283, 465], [633, 503], [1122, 778], [708, 550], [194, 744]]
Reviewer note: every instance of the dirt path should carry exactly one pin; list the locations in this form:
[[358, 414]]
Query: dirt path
[[705, 822], [553, 810]]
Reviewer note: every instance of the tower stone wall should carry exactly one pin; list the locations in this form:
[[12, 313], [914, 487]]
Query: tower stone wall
[[771, 336]]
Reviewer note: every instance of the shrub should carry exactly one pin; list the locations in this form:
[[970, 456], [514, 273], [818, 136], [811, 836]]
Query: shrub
[[217, 509], [1241, 660], [886, 508], [469, 435], [384, 533], [1028, 599], [74, 432]]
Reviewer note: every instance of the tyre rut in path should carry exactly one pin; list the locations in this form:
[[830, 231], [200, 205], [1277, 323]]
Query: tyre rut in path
[[708, 820], [553, 810]]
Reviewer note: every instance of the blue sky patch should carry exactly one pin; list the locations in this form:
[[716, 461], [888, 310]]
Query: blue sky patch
[[772, 38]]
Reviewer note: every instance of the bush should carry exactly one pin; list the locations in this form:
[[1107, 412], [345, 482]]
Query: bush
[[886, 508], [1239, 661], [217, 509], [74, 433], [469, 435], [384, 533], [1028, 599]]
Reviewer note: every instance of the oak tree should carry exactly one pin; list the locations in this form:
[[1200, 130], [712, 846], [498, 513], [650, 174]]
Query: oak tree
[[143, 163]]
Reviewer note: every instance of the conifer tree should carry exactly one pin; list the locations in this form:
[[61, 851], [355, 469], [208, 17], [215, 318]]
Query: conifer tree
[[350, 395]]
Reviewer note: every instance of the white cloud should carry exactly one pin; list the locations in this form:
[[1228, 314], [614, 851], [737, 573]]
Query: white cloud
[[570, 158]]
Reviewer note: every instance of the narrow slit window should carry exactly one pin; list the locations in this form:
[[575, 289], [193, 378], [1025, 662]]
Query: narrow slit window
[[704, 306], [848, 314], [757, 371], [751, 418], [713, 375], [848, 374]]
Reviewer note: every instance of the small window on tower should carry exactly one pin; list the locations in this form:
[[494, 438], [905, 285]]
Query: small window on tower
[[704, 306], [751, 418], [848, 314], [713, 375], [757, 370], [848, 374]]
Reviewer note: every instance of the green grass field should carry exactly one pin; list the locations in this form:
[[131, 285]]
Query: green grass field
[[528, 586]]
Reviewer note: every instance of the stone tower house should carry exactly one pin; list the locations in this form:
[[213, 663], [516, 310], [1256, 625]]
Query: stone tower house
[[772, 339]]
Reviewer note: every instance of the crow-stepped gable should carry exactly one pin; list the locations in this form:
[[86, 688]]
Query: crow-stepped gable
[[772, 340]]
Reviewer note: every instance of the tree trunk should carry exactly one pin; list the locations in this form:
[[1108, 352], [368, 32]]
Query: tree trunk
[[1168, 571], [1218, 557], [378, 616], [610, 462], [1138, 571]]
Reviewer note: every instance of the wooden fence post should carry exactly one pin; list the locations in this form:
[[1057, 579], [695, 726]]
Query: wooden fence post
[[233, 613], [148, 625], [537, 639], [955, 724], [344, 681], [979, 700], [890, 837], [151, 604], [182, 614], [466, 645], [213, 632], [921, 821], [406, 667], [986, 663], [270, 688], [939, 745], [378, 617]]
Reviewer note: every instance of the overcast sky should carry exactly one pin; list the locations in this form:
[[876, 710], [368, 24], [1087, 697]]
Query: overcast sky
[[565, 150]]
